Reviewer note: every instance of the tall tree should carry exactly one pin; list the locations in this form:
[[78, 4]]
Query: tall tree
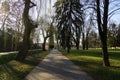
[[5, 11], [29, 26], [45, 29], [69, 20], [51, 38], [104, 10], [102, 28]]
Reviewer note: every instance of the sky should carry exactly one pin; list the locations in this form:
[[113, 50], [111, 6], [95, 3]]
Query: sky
[[48, 9], [115, 4], [46, 4]]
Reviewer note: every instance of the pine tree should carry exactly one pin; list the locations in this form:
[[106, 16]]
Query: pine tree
[[69, 18]]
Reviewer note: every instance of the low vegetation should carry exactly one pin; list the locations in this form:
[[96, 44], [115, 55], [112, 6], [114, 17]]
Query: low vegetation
[[14, 70], [90, 61]]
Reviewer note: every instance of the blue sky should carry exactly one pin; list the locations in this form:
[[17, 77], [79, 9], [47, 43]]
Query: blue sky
[[115, 4], [46, 4]]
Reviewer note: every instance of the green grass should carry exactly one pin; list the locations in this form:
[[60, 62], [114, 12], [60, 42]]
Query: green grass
[[6, 58], [90, 61], [14, 70]]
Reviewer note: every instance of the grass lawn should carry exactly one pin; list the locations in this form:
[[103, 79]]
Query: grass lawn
[[14, 70], [90, 61]]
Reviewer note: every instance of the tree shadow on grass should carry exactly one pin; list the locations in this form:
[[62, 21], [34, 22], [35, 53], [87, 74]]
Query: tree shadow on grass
[[115, 67], [14, 73], [115, 55], [97, 71], [31, 60]]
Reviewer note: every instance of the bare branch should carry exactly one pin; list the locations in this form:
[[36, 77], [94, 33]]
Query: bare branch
[[32, 4]]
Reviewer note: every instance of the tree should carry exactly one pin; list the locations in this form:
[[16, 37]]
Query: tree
[[29, 26], [104, 10], [45, 29], [85, 40], [11, 12], [118, 36], [77, 33], [51, 38], [94, 41], [69, 20], [112, 35], [88, 27], [85, 33], [102, 28], [5, 11]]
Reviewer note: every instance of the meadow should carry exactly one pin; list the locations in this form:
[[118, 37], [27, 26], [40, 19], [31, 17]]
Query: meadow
[[11, 69], [91, 62]]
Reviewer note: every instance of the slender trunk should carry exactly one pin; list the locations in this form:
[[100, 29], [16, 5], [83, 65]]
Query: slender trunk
[[5, 41], [102, 27], [68, 45], [44, 43], [12, 43], [105, 53], [77, 45], [83, 41], [78, 40], [68, 50], [86, 43], [4, 34]]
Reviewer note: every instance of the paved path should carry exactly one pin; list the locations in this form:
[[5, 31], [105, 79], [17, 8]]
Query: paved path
[[56, 66]]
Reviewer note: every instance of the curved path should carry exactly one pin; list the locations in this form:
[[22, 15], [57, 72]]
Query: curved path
[[56, 66]]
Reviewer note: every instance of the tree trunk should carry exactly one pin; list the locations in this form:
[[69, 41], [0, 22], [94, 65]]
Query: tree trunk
[[4, 34], [44, 43], [87, 43], [77, 45], [25, 46], [68, 50], [29, 26], [68, 45], [105, 52], [102, 27], [83, 41]]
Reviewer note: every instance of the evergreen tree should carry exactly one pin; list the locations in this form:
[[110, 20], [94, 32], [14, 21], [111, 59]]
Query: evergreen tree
[[69, 20]]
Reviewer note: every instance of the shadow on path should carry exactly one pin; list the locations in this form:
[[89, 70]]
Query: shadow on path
[[56, 66]]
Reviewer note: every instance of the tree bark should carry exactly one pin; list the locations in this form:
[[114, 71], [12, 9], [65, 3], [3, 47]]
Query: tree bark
[[29, 26], [44, 43], [77, 46], [103, 30], [83, 41], [87, 43], [105, 52]]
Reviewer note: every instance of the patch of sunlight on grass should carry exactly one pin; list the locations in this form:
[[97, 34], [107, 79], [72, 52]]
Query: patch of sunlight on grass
[[115, 62], [5, 75], [93, 58], [15, 70], [91, 61], [20, 66]]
